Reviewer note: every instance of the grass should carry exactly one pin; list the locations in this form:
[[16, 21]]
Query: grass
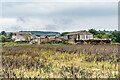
[[18, 44], [14, 44], [41, 63], [48, 43], [53, 43]]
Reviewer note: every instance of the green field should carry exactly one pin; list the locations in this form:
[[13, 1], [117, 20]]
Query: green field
[[14, 44]]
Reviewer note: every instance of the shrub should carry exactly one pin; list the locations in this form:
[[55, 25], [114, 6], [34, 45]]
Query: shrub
[[3, 38]]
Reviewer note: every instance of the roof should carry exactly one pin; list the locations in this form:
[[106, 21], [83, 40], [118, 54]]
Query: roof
[[43, 36], [83, 32], [51, 36], [33, 36]]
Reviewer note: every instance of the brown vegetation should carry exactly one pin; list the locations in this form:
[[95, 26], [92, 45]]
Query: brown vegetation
[[60, 61]]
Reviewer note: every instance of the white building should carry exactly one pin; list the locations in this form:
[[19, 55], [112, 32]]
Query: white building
[[79, 35], [21, 37]]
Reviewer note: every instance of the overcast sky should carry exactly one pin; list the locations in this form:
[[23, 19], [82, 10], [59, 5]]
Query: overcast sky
[[59, 15]]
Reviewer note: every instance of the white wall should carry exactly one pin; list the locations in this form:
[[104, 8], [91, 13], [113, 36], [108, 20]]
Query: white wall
[[18, 37], [85, 37]]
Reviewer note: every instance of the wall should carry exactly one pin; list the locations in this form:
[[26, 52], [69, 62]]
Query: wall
[[18, 38], [85, 37]]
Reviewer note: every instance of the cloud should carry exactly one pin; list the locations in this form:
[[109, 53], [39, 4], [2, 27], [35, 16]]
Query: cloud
[[20, 19], [58, 9], [61, 24], [50, 27], [60, 16], [14, 28], [61, 0]]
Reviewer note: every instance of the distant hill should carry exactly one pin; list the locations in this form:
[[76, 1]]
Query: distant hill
[[42, 32]]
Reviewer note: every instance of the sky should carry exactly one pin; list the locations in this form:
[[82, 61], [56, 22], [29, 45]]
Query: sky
[[58, 15]]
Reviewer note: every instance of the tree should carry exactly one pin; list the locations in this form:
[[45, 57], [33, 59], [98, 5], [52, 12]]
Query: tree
[[10, 35], [64, 33], [38, 35], [106, 36], [101, 33], [27, 36], [99, 36], [2, 38], [116, 36], [93, 31], [3, 33], [104, 30], [115, 30]]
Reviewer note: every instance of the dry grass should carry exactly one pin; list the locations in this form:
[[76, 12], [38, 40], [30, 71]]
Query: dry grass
[[47, 62]]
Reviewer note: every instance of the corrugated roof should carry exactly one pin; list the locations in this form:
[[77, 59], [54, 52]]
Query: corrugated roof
[[33, 36], [83, 32], [43, 36]]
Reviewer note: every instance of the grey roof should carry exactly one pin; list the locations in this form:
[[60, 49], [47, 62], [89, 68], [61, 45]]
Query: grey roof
[[43, 36], [83, 32], [51, 36], [33, 36]]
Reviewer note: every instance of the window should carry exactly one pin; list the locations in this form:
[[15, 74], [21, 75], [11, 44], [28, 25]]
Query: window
[[78, 36], [86, 36]]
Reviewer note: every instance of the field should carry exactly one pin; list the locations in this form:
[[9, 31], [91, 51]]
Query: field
[[60, 61], [14, 44]]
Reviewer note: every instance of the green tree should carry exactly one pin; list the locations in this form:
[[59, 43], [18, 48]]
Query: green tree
[[93, 31], [3, 38], [10, 35], [101, 33], [116, 36], [113, 39], [3, 33], [64, 33], [27, 36], [99, 36], [106, 36], [38, 35]]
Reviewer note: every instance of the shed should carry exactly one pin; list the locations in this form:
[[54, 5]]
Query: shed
[[79, 35]]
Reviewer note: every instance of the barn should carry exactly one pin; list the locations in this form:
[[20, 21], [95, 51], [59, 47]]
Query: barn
[[21, 36], [79, 35], [84, 36]]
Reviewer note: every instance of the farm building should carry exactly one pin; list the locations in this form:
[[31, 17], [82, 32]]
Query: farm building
[[54, 39], [83, 36], [42, 40], [79, 35], [43, 36], [72, 37], [51, 39], [34, 39], [21, 37]]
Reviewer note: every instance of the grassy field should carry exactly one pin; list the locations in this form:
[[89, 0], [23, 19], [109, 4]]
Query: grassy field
[[18, 44], [14, 44], [60, 61]]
